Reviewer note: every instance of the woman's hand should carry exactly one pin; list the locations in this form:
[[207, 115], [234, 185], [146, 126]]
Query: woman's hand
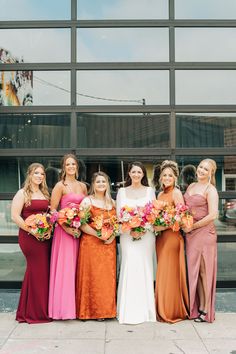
[[72, 231], [160, 228], [187, 229], [110, 240], [136, 234]]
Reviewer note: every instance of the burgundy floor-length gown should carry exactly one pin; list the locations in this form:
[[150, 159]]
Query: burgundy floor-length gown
[[201, 242], [33, 303]]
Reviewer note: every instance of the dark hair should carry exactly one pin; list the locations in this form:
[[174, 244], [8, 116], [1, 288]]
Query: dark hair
[[63, 165], [156, 176], [144, 180], [188, 174]]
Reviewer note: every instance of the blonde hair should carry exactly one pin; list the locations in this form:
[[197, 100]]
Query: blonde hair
[[63, 166], [173, 166], [212, 162], [28, 185], [108, 198]]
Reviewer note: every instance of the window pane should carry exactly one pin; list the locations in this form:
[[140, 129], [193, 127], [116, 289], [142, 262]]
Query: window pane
[[203, 9], [122, 44], [8, 175], [226, 261], [122, 87], [124, 9], [34, 131], [205, 44], [35, 10], [7, 226], [35, 45], [206, 87], [114, 130], [206, 130], [12, 263], [24, 88]]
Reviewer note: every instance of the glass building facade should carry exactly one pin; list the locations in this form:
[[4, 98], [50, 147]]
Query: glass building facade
[[117, 81]]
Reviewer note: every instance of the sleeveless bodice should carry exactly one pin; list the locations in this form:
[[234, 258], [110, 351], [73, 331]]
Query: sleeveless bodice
[[197, 204], [36, 206], [71, 198]]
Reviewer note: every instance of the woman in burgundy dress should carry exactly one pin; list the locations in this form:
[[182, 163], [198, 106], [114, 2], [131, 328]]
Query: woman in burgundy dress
[[33, 198], [201, 242]]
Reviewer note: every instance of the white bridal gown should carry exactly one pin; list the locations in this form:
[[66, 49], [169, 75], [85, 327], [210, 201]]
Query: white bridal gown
[[136, 300]]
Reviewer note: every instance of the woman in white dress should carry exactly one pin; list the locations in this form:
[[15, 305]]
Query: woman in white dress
[[136, 303]]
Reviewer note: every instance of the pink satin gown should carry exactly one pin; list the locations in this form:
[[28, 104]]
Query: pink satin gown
[[63, 269], [201, 242]]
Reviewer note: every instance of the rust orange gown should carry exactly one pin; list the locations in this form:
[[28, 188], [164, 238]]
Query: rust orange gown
[[171, 291], [96, 275]]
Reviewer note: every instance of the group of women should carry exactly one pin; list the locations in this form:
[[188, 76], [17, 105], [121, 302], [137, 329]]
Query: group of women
[[75, 277]]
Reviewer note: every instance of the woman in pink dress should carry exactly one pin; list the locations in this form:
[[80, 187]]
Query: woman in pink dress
[[33, 198], [201, 242], [65, 244]]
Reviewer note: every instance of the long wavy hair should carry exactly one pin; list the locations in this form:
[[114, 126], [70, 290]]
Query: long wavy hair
[[108, 198], [144, 180], [173, 166], [63, 166], [27, 187], [212, 163]]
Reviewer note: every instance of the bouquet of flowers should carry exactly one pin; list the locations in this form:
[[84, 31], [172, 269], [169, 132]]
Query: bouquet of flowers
[[73, 215], [183, 216], [40, 225], [134, 219], [106, 227], [160, 213]]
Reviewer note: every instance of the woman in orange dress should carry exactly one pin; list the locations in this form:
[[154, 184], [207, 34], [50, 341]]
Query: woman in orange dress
[[96, 270], [201, 242], [171, 291]]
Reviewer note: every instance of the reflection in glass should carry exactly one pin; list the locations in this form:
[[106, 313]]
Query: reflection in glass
[[8, 175], [204, 9], [122, 87], [12, 262], [34, 87], [34, 131], [122, 44], [205, 44], [7, 226], [205, 87], [123, 9], [35, 10], [37, 45], [226, 261], [123, 130], [206, 130]]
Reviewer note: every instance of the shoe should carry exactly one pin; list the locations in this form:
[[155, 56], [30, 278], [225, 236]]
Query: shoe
[[100, 319], [201, 317]]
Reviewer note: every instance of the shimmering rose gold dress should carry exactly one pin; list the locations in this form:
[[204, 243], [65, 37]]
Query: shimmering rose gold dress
[[201, 242]]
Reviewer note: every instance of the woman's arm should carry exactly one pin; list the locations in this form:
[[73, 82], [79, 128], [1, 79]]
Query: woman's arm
[[178, 197], [57, 193], [16, 209]]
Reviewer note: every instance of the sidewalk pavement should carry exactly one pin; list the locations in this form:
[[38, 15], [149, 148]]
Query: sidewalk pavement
[[108, 337]]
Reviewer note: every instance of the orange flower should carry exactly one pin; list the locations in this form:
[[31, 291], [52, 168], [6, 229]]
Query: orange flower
[[159, 204], [30, 221], [70, 213], [135, 222], [106, 232], [151, 218], [187, 221], [175, 227], [125, 227]]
